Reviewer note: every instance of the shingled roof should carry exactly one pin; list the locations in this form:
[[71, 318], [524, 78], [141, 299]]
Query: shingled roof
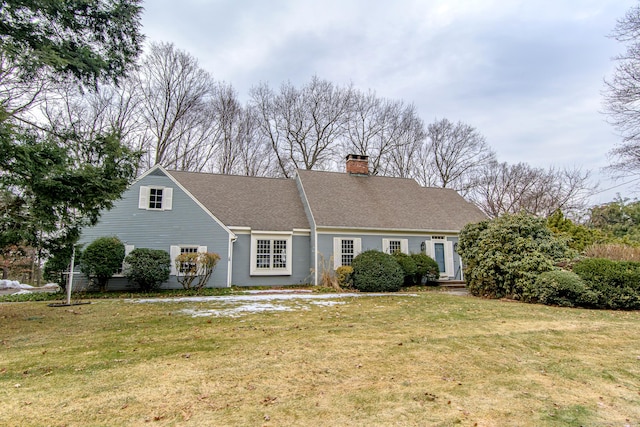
[[336, 199], [373, 202], [271, 204]]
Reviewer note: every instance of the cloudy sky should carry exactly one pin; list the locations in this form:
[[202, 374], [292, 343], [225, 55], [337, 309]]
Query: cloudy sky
[[527, 74]]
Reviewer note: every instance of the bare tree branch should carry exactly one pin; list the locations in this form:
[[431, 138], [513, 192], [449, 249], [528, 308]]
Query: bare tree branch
[[622, 96], [514, 188], [303, 126], [453, 156]]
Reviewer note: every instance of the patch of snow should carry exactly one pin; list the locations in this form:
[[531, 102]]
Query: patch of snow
[[259, 297], [22, 292], [10, 285], [278, 291], [257, 302], [327, 303], [237, 311], [13, 284]]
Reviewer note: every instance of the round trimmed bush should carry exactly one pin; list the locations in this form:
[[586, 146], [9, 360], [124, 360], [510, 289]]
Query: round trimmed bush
[[408, 266], [375, 271], [147, 269], [560, 287], [426, 269], [102, 259]]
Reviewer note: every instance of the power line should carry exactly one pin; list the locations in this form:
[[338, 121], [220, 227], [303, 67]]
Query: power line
[[616, 186]]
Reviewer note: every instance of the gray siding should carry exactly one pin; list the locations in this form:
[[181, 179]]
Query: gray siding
[[186, 224], [374, 241], [369, 241], [301, 261]]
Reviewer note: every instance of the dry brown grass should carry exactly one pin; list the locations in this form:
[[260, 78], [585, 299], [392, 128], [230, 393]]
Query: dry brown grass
[[431, 359], [615, 252], [328, 278]]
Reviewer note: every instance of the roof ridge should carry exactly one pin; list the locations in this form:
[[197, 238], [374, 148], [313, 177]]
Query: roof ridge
[[281, 178], [356, 175]]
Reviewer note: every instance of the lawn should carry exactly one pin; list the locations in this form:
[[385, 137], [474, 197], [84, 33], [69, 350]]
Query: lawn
[[428, 359]]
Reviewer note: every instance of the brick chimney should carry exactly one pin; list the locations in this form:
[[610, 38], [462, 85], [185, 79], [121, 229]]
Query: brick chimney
[[357, 164]]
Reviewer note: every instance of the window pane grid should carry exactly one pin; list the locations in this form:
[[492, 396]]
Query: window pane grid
[[271, 254], [186, 267], [347, 251], [155, 198], [279, 254], [263, 254], [394, 246]]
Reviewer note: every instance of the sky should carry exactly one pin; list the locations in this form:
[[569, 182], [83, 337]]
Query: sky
[[528, 75]]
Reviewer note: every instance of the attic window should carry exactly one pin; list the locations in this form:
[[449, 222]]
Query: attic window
[[155, 198]]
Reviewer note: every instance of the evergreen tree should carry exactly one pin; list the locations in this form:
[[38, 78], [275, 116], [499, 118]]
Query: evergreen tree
[[53, 183]]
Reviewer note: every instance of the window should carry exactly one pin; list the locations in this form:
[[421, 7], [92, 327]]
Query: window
[[395, 245], [155, 198], [271, 254], [176, 250], [344, 250], [185, 267]]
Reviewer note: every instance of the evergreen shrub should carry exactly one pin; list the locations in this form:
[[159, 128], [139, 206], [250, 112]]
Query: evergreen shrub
[[503, 255], [102, 259], [147, 269], [375, 271], [617, 283], [560, 287], [427, 269], [408, 266], [344, 274]]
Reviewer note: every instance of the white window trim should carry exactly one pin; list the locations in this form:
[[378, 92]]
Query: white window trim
[[254, 271], [337, 249], [404, 245], [167, 198], [448, 254], [174, 251]]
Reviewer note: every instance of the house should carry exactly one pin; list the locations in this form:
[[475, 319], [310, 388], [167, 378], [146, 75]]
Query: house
[[278, 231]]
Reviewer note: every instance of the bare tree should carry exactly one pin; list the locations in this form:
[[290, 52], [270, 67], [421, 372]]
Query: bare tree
[[407, 136], [508, 188], [177, 106], [382, 129], [229, 113], [256, 158], [239, 148], [303, 125], [108, 109], [453, 156], [622, 95]]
